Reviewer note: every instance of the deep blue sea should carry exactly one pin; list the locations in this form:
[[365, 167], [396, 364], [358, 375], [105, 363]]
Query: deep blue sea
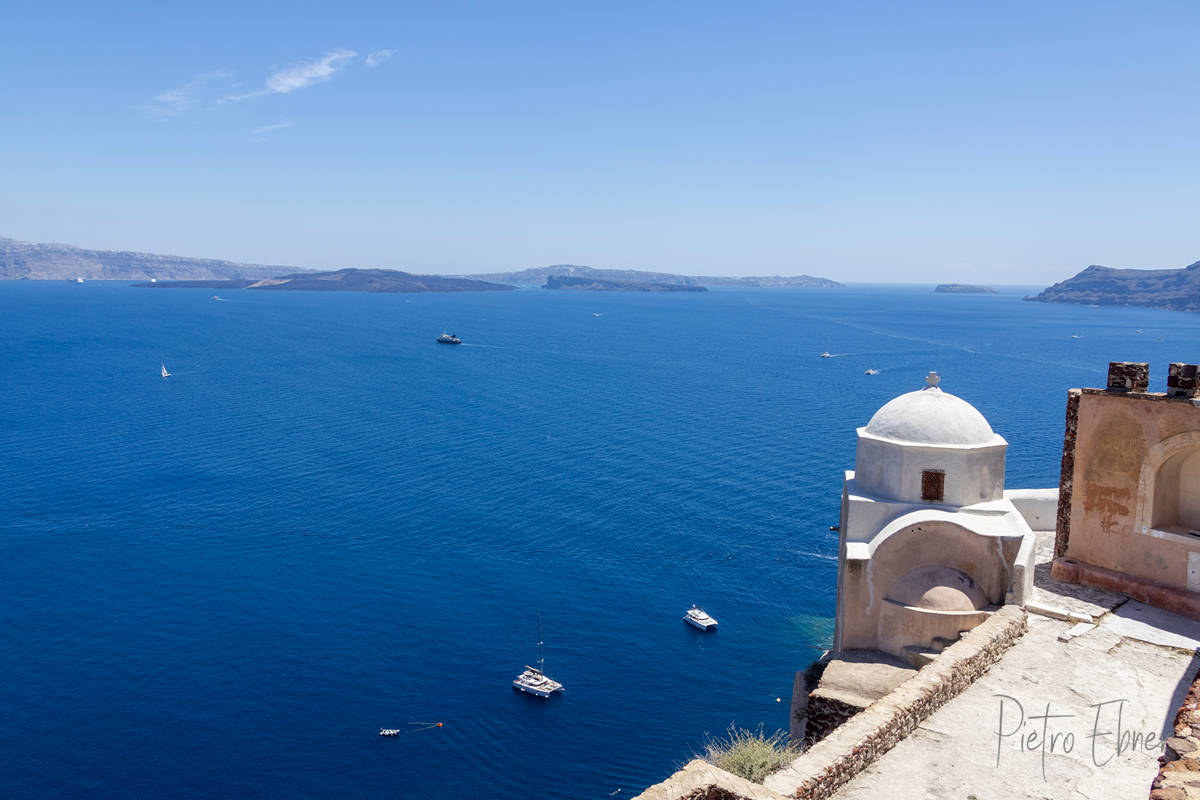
[[224, 583]]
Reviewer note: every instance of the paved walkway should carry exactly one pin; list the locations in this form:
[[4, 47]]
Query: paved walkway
[[1072, 598], [1136, 653]]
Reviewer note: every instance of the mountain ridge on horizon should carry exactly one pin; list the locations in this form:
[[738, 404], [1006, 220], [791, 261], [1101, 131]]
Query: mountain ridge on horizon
[[539, 275], [53, 261], [56, 261], [1171, 289]]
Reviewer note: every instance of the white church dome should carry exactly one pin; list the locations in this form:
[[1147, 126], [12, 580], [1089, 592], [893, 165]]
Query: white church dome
[[931, 416]]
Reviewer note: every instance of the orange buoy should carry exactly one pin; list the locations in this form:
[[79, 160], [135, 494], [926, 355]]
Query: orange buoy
[[439, 724]]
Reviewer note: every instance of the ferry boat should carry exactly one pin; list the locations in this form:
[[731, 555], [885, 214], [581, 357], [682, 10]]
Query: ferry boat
[[534, 680], [449, 338], [698, 618]]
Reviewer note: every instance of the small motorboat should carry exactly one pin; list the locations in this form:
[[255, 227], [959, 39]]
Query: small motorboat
[[871, 372], [389, 731], [826, 354], [698, 618]]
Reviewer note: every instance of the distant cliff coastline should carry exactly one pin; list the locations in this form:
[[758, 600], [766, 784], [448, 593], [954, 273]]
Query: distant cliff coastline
[[537, 276], [65, 262], [344, 280], [595, 285], [962, 288], [1172, 289]]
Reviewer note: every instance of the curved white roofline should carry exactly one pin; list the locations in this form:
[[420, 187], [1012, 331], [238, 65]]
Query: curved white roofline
[[931, 417], [991, 526]]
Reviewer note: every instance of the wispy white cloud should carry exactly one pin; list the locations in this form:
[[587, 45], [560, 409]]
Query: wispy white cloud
[[261, 134], [299, 76], [377, 57], [173, 102]]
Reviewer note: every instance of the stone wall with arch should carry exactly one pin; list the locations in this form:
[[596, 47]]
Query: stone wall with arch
[[1135, 478], [1169, 486]]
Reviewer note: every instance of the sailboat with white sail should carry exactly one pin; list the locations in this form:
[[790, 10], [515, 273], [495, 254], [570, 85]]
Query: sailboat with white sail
[[534, 680], [165, 374]]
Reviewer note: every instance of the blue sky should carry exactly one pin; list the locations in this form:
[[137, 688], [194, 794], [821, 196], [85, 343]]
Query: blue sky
[[998, 142]]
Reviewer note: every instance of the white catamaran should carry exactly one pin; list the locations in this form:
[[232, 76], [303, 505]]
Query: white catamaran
[[533, 680]]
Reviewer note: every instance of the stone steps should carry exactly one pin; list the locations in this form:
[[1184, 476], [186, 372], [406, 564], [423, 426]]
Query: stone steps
[[919, 655]]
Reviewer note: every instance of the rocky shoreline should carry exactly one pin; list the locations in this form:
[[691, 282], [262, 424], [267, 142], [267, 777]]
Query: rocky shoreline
[[1171, 289]]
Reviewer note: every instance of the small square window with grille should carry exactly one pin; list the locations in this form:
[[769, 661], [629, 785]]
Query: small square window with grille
[[933, 485]]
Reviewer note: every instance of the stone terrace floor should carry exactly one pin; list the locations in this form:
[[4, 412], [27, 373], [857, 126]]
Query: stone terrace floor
[[1136, 653]]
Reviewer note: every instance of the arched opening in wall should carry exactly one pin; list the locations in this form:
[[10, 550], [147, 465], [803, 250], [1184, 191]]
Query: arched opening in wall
[[1177, 494]]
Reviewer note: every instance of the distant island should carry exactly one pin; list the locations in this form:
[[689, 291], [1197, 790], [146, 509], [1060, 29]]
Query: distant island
[[597, 285], [65, 262], [537, 276], [962, 288], [343, 280], [31, 261], [1171, 289]]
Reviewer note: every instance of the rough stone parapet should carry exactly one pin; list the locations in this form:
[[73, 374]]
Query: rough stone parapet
[[1179, 776], [700, 780], [1164, 396], [832, 762], [825, 714], [1183, 380], [848, 684], [1128, 376], [1066, 484]]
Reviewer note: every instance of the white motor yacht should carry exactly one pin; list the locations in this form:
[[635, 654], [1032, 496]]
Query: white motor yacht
[[699, 618]]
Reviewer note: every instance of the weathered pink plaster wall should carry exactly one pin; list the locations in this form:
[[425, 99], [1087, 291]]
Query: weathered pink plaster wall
[[1121, 443]]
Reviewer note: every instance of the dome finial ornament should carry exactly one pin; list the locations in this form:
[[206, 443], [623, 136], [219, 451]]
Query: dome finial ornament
[[932, 380], [930, 416]]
